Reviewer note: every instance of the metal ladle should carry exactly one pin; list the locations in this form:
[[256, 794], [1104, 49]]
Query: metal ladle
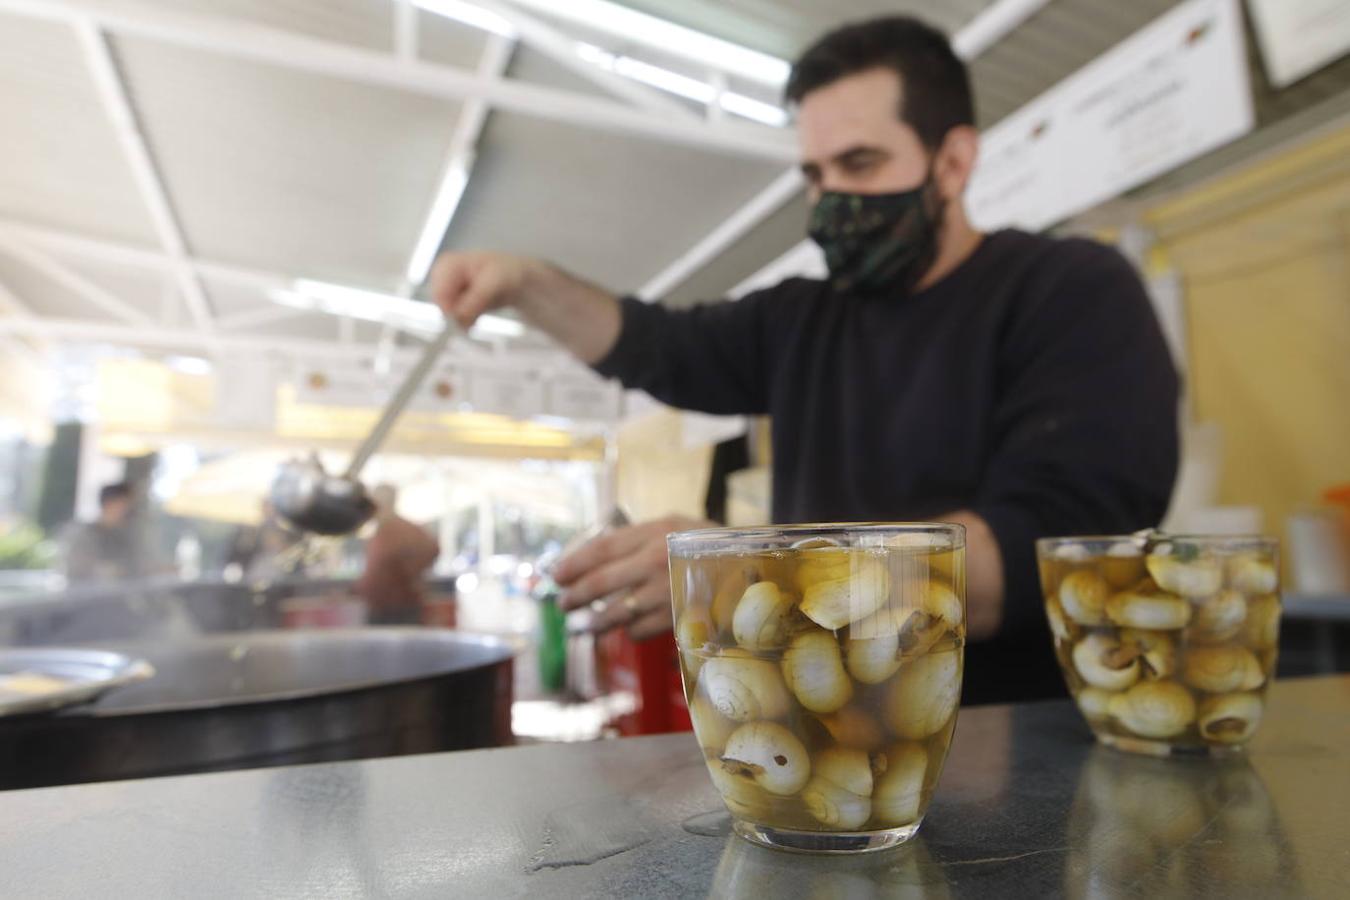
[[314, 501]]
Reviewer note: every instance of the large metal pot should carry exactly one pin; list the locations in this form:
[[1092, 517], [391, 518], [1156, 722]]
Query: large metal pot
[[238, 701]]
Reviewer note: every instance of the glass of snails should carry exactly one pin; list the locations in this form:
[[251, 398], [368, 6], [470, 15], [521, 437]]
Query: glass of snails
[[822, 667], [1168, 643]]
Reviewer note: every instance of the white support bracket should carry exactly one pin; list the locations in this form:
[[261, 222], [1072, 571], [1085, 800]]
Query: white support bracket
[[22, 314], [405, 30], [75, 283], [112, 91], [13, 234], [253, 318]]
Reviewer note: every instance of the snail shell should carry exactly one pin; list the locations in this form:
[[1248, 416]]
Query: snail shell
[[743, 688], [1082, 595], [1155, 612], [760, 621], [1229, 718], [814, 671], [856, 592], [1193, 578], [1222, 670], [1218, 618], [770, 755], [899, 789], [840, 790], [1252, 575], [923, 695], [1154, 709], [1105, 662]]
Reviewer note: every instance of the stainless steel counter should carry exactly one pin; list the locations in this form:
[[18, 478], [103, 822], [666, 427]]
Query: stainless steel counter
[[1028, 807]]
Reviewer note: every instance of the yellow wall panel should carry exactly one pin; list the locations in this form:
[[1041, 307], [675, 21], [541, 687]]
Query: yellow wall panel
[[1264, 255]]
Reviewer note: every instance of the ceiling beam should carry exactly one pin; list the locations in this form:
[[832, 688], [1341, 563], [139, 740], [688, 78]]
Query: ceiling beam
[[459, 162], [562, 49], [992, 24], [258, 316], [289, 50], [176, 339], [14, 233], [12, 304], [405, 30], [462, 352], [21, 312], [149, 182], [91, 293]]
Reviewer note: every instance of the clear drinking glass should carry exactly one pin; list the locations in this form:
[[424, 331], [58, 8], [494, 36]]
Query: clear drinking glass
[[822, 666], [1168, 644]]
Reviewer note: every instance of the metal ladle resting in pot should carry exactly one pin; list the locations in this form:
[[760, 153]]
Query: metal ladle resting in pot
[[312, 500]]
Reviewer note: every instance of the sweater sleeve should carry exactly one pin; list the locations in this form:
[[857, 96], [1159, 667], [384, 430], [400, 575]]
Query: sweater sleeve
[[1085, 430], [711, 358]]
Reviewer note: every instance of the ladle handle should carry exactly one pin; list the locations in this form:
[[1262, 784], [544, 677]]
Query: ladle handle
[[400, 399]]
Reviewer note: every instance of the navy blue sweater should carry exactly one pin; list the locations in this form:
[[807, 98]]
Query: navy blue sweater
[[1031, 385]]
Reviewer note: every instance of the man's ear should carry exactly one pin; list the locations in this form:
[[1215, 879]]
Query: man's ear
[[955, 161]]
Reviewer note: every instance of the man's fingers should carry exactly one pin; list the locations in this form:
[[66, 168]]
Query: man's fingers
[[482, 294], [620, 575], [598, 551], [450, 277], [651, 597], [650, 625]]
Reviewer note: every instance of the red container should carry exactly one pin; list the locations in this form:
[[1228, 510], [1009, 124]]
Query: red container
[[440, 611], [650, 670], [328, 611]]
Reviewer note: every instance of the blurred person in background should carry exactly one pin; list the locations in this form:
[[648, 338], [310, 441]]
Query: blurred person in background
[[398, 555], [1013, 383], [112, 547]]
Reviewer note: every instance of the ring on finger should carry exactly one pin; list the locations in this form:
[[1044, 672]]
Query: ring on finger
[[632, 606]]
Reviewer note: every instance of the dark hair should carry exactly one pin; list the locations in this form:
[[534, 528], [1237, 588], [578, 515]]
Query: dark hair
[[120, 490], [934, 83]]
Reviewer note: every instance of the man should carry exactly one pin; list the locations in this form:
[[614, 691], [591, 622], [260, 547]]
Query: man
[[109, 548], [1012, 383], [397, 556]]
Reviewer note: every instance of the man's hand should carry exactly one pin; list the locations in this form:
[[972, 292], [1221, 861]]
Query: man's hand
[[466, 285], [984, 576], [580, 316], [630, 564]]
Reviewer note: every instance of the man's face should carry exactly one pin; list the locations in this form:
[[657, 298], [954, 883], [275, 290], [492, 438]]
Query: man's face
[[853, 140], [116, 510]]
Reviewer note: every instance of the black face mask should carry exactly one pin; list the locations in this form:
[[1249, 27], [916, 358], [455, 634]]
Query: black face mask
[[878, 242]]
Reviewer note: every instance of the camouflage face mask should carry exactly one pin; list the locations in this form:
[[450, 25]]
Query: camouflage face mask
[[877, 243]]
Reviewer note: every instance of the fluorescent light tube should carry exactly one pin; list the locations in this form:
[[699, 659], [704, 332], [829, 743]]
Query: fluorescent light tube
[[668, 37], [448, 195], [750, 108], [373, 306], [683, 85], [497, 326], [666, 80]]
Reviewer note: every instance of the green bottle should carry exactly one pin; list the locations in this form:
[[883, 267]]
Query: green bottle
[[552, 637]]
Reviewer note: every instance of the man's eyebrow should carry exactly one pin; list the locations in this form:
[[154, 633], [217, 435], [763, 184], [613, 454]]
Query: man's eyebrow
[[858, 151], [810, 166]]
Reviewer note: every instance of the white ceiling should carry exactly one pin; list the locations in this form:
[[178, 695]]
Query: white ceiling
[[301, 171], [62, 167], [291, 143]]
